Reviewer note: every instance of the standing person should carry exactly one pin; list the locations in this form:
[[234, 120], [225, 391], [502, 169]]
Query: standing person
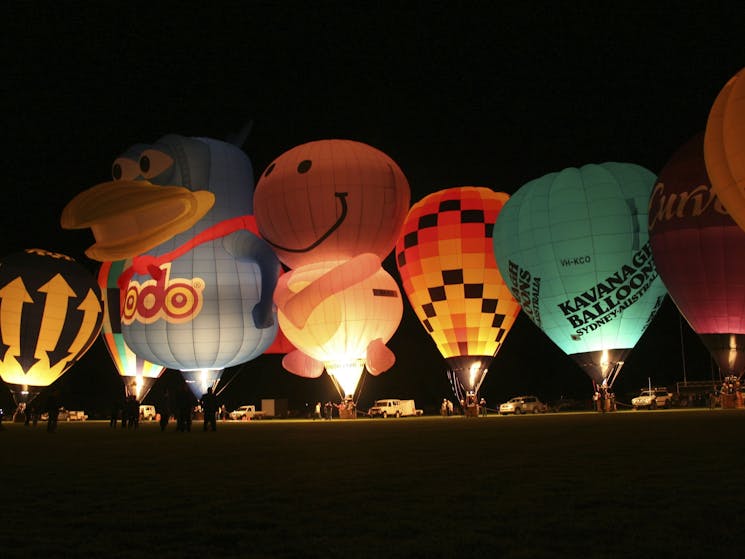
[[114, 413], [183, 410], [52, 412], [209, 407], [133, 412], [317, 411], [482, 407], [164, 409]]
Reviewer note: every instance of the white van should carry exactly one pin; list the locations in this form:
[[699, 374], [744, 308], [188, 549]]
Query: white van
[[147, 413]]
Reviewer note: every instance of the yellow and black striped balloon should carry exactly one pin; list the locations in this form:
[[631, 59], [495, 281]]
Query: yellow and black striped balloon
[[50, 314]]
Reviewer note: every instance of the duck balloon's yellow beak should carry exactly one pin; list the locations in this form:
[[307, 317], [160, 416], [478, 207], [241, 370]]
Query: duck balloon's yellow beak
[[128, 218]]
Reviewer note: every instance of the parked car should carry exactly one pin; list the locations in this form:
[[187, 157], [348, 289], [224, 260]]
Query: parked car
[[522, 404], [246, 412], [651, 399]]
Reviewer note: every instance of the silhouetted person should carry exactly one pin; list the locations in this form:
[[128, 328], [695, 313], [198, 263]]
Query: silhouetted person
[[132, 407], [183, 410], [52, 412], [114, 413], [209, 407], [164, 409]]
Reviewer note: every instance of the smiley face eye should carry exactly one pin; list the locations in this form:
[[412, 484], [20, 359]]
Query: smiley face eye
[[154, 162], [304, 166], [125, 169]]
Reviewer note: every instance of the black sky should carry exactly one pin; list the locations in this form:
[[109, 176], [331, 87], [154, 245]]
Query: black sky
[[457, 94]]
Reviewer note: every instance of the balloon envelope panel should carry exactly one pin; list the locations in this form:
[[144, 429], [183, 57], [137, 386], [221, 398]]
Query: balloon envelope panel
[[573, 248], [203, 313], [698, 249], [342, 326], [700, 254], [724, 146], [51, 314], [127, 363], [331, 200], [447, 266]]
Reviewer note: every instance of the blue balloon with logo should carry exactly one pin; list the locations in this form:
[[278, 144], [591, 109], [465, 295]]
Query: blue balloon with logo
[[573, 247], [198, 283]]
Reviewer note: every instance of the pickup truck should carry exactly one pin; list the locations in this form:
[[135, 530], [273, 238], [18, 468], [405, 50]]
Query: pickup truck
[[246, 413], [393, 407]]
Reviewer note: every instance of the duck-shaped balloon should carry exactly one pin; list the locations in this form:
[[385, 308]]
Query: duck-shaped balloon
[[332, 210], [199, 282]]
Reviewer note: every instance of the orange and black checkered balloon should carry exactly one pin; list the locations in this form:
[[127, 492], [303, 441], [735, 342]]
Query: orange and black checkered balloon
[[446, 261]]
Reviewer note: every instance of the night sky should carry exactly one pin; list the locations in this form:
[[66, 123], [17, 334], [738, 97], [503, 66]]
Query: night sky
[[457, 95]]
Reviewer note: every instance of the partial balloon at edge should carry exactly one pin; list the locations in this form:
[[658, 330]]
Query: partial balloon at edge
[[138, 375]]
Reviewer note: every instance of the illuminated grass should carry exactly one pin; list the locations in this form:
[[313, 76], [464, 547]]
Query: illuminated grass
[[640, 484]]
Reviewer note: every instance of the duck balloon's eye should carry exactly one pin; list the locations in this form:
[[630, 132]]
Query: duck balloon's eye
[[125, 169], [304, 166], [154, 162]]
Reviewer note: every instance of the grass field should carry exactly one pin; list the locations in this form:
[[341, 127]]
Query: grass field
[[627, 484]]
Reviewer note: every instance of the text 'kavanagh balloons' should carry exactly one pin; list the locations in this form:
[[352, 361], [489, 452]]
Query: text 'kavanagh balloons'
[[574, 249], [50, 314], [446, 262], [700, 255]]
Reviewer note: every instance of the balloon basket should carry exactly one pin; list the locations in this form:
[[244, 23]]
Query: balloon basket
[[348, 410], [729, 401]]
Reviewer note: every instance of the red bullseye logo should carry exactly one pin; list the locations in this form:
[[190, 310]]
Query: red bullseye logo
[[178, 300]]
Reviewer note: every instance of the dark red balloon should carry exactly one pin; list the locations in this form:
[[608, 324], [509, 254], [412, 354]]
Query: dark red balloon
[[700, 255]]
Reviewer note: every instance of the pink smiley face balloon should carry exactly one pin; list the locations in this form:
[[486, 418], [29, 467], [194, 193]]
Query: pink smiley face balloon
[[330, 200]]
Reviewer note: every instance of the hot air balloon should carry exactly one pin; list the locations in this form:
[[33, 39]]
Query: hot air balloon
[[50, 314], [198, 294], [724, 147], [137, 374], [574, 249], [332, 210], [446, 261], [700, 255]]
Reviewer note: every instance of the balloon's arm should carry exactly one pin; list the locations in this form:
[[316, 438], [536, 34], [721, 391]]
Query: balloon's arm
[[302, 364], [379, 357], [300, 306], [247, 247]]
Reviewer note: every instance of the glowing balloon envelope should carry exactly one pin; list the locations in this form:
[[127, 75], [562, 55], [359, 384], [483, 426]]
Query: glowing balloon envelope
[[700, 255], [50, 314], [446, 261], [724, 147], [200, 298], [574, 249], [137, 374], [340, 322], [332, 210], [331, 200]]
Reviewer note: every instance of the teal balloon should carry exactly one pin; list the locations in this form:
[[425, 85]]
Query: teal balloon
[[574, 249]]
